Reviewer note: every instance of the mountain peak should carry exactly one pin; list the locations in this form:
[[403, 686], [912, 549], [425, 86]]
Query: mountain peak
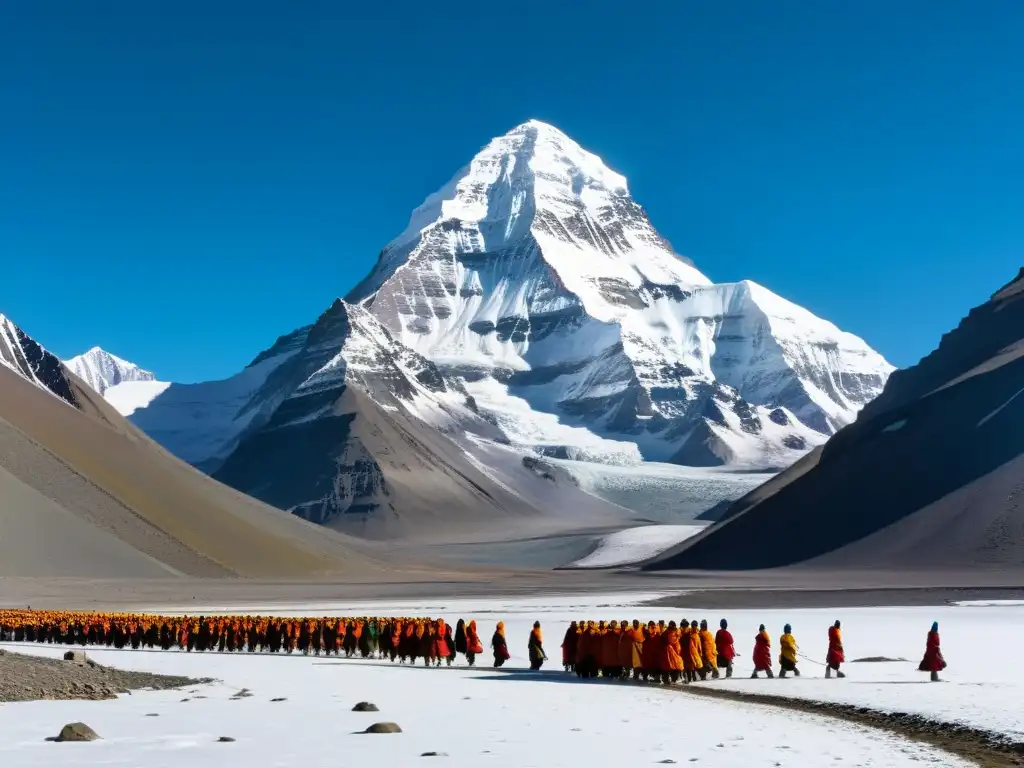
[[102, 370]]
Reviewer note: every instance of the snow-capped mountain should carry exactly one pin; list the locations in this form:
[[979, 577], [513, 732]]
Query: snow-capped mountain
[[23, 355], [537, 279], [102, 370], [124, 385], [529, 307]]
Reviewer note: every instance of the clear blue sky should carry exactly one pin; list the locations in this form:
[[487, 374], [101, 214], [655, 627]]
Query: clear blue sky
[[181, 182]]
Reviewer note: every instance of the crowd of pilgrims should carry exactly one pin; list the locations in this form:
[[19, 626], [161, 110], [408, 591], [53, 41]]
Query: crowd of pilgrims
[[687, 652], [398, 638], [653, 652]]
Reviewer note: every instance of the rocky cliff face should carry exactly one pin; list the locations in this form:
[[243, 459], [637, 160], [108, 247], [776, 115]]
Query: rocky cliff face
[[930, 476], [27, 358]]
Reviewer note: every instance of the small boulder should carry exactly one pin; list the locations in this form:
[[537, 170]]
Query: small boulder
[[153, 714], [279, 698], [365, 706], [225, 739], [434, 754], [384, 728], [78, 657], [76, 732]]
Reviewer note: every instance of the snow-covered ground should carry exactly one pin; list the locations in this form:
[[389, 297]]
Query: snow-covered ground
[[482, 717], [983, 686], [635, 545], [474, 717]]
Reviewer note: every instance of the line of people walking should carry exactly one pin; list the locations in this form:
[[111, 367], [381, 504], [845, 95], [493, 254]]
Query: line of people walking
[[654, 652], [688, 652]]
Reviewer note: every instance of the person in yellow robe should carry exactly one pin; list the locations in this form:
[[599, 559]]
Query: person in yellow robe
[[787, 652], [696, 660]]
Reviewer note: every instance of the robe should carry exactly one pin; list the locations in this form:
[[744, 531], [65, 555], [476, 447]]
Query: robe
[[710, 652], [787, 652], [569, 644], [762, 652], [671, 652], [726, 647], [932, 661], [696, 660], [835, 655]]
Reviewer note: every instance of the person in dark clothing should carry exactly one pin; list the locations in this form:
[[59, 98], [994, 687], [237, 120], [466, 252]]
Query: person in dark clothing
[[536, 648], [499, 645], [460, 637]]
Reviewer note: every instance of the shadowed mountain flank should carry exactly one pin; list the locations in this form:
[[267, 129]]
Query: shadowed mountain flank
[[930, 475]]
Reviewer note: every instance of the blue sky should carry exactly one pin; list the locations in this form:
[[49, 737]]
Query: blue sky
[[184, 181]]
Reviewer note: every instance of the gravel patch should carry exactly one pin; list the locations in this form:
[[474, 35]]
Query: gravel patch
[[35, 678]]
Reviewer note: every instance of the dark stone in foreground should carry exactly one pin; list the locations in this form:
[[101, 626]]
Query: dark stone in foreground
[[365, 706], [76, 732], [384, 728], [434, 754], [76, 656], [279, 698], [225, 739]]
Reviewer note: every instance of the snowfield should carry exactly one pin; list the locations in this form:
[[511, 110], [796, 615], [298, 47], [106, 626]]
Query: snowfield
[[634, 545], [480, 717], [472, 717]]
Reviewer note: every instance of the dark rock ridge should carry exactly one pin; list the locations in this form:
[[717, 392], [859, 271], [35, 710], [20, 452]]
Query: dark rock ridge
[[929, 476], [28, 358]]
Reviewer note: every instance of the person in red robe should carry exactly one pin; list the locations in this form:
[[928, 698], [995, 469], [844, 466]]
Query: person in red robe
[[441, 649], [726, 647], [762, 653], [933, 661], [835, 656], [569, 645]]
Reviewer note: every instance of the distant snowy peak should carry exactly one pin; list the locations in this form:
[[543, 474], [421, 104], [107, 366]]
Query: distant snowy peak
[[102, 370], [22, 354]]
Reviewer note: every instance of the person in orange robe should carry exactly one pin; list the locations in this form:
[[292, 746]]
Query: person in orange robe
[[473, 644], [632, 650], [441, 648], [709, 653], [671, 655], [762, 653], [587, 661], [684, 642], [569, 645], [696, 660], [835, 655]]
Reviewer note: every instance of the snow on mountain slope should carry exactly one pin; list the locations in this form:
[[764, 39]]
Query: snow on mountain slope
[[102, 370], [358, 430], [129, 396], [200, 423], [22, 354], [535, 277]]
